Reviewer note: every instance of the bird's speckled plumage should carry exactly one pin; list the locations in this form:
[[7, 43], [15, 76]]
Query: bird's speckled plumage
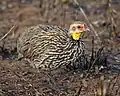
[[49, 46]]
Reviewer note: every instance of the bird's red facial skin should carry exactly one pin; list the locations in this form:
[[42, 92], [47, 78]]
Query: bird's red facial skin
[[81, 27]]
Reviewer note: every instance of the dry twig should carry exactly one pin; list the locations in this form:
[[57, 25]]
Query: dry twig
[[7, 33], [78, 91], [88, 21]]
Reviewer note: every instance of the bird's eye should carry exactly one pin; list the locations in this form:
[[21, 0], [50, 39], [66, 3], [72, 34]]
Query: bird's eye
[[80, 27], [73, 28]]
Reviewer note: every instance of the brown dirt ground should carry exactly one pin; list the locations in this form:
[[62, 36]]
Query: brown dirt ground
[[17, 78]]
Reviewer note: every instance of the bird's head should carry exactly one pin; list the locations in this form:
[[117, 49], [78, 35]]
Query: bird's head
[[77, 30]]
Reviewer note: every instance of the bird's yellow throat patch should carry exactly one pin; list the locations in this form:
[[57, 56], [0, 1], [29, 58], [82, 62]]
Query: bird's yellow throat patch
[[77, 35]]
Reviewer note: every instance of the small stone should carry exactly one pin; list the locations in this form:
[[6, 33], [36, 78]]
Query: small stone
[[3, 8], [10, 5]]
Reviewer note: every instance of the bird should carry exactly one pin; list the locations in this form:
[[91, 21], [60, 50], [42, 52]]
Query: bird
[[49, 47]]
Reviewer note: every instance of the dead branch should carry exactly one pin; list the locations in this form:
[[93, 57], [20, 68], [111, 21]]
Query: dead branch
[[88, 21], [8, 33]]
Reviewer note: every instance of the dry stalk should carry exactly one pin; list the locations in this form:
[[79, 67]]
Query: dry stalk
[[102, 88], [78, 91], [95, 55], [110, 17], [88, 21], [8, 32], [112, 85]]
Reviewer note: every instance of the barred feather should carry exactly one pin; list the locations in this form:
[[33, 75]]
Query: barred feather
[[49, 46]]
